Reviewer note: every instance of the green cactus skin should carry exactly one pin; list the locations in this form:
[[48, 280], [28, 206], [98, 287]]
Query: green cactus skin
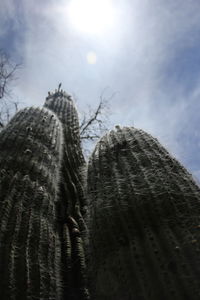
[[30, 162], [143, 220]]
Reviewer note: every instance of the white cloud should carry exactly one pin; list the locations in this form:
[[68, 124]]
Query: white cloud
[[133, 60]]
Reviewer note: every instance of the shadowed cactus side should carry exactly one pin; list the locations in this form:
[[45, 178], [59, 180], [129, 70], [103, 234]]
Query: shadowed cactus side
[[143, 220]]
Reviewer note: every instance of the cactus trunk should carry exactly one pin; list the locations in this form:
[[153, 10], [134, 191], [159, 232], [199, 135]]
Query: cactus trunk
[[72, 207], [30, 161], [144, 221]]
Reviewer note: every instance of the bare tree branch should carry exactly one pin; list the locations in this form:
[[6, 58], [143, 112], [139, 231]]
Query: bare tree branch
[[7, 73], [93, 124], [90, 137], [86, 123], [7, 109]]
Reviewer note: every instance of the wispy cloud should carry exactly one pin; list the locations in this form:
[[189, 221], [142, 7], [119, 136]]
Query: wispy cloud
[[151, 60]]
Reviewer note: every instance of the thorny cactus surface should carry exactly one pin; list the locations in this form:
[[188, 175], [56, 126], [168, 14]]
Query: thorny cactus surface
[[144, 221], [30, 161], [41, 204], [73, 161]]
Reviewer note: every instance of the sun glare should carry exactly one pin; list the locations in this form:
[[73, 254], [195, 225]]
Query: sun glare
[[91, 58], [91, 16]]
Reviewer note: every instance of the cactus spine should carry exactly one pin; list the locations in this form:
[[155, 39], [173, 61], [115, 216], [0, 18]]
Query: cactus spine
[[144, 221]]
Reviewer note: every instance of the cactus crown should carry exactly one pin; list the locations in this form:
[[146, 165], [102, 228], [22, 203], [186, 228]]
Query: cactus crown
[[58, 93]]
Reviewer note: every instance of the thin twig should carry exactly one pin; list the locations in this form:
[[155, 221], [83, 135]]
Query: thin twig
[[93, 118]]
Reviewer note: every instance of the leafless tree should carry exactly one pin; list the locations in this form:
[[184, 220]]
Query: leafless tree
[[7, 75], [95, 122], [7, 109]]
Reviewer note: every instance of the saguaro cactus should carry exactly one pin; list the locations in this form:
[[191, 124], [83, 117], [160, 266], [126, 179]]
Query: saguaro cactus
[[144, 221], [73, 202], [30, 162], [41, 204], [143, 241], [73, 161]]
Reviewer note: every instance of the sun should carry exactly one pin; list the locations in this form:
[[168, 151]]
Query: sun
[[91, 16]]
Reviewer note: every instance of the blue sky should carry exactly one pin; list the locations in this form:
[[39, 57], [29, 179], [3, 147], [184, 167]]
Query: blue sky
[[150, 57]]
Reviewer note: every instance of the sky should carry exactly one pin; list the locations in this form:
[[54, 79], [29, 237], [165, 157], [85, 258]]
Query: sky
[[146, 52]]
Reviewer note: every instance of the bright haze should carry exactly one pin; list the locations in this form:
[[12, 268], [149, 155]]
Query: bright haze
[[146, 52]]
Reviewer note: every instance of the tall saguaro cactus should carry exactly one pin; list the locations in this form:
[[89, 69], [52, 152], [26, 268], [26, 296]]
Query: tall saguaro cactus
[[41, 204], [30, 162], [73, 161], [72, 206], [144, 221]]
